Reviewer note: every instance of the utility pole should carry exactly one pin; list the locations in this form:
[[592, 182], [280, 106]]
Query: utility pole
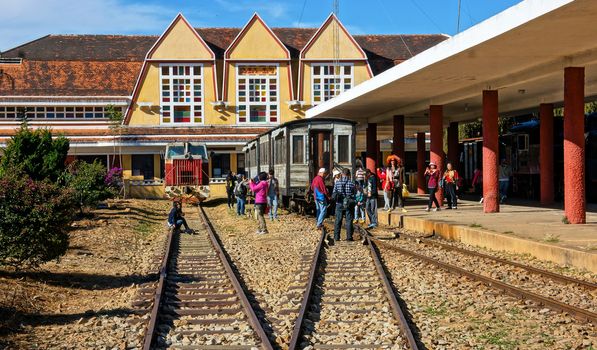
[[458, 23]]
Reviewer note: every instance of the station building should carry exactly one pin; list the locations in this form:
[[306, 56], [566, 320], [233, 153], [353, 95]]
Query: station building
[[219, 86]]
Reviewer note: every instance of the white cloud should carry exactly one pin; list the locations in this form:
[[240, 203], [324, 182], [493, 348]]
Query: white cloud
[[305, 24], [25, 20]]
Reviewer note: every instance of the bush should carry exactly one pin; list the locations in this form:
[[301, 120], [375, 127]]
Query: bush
[[87, 180], [35, 153], [35, 217]]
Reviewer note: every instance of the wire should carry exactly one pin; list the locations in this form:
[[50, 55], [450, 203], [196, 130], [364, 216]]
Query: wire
[[302, 12], [387, 14], [426, 15]]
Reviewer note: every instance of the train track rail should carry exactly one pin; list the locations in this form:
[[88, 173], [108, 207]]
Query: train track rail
[[199, 302], [579, 313], [349, 302]]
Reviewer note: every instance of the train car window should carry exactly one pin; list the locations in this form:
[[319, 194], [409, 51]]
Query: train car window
[[198, 150], [298, 149], [279, 150], [240, 163], [142, 165], [264, 153], [343, 149]]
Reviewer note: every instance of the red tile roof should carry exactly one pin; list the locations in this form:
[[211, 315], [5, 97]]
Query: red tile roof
[[102, 65]]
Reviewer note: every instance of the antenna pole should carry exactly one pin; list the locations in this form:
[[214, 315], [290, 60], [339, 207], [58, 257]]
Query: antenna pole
[[458, 23]]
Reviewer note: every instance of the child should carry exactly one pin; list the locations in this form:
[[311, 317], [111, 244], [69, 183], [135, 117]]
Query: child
[[359, 209]]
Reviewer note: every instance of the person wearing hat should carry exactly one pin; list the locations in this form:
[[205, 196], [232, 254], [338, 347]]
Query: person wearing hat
[[336, 174], [432, 184], [320, 195]]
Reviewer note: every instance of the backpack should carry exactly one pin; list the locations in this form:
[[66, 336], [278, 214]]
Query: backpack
[[239, 190]]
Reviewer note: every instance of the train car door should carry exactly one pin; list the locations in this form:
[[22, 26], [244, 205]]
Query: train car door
[[320, 154]]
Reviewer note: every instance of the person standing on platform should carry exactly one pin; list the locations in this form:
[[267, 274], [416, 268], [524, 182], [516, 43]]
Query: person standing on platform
[[386, 187], [259, 188], [320, 195], [371, 198], [273, 192], [230, 185], [477, 182], [432, 184], [343, 194], [451, 185], [505, 173], [398, 181], [359, 176]]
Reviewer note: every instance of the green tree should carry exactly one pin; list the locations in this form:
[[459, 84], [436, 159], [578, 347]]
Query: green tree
[[35, 153], [87, 180], [35, 217]]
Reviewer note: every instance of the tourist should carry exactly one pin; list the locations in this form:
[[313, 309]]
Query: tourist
[[505, 173], [477, 182], [371, 198], [386, 187], [230, 184], [432, 185], [176, 218], [343, 194], [359, 209], [397, 171], [320, 195], [451, 179], [240, 192], [336, 175], [359, 175], [259, 188], [273, 192]]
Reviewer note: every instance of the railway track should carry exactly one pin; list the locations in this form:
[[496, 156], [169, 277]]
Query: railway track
[[522, 293], [349, 303], [199, 302]]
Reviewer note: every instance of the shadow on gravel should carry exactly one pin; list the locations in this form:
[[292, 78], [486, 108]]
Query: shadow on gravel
[[80, 280], [214, 202]]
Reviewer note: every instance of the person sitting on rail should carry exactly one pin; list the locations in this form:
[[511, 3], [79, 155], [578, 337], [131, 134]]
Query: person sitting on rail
[[371, 198], [359, 209], [321, 196], [240, 192], [344, 195], [176, 218], [273, 192], [259, 188]]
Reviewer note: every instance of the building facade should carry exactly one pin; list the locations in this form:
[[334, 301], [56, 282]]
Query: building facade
[[218, 86]]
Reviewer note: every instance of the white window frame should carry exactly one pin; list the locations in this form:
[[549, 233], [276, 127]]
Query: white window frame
[[321, 76], [304, 148], [268, 103], [336, 148], [192, 104]]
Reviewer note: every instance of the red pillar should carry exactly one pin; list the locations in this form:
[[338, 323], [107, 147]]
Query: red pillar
[[371, 162], [546, 152], [398, 140], [421, 157], [574, 145], [453, 155], [491, 203], [436, 122]]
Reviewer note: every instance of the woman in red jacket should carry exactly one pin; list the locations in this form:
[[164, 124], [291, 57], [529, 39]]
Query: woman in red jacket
[[386, 186]]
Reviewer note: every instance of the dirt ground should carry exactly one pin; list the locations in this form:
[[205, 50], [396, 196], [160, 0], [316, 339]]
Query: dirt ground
[[83, 301]]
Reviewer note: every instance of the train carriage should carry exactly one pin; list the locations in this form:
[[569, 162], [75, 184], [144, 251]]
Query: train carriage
[[296, 150]]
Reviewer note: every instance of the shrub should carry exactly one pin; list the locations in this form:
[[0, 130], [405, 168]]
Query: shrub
[[87, 180], [35, 153], [35, 217]]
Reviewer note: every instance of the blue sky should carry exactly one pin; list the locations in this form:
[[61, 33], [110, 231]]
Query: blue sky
[[24, 20]]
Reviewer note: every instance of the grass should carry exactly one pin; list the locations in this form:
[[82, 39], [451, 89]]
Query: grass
[[499, 339], [508, 232], [565, 220], [475, 225], [144, 228], [551, 238], [435, 311]]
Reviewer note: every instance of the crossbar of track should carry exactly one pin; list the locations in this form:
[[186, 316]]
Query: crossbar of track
[[252, 317], [581, 314]]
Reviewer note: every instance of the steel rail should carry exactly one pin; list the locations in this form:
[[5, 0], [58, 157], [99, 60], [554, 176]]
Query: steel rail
[[579, 313], [396, 309], [159, 293], [298, 325], [252, 317], [552, 275]]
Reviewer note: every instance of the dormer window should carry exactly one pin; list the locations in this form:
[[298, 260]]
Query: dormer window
[[257, 93], [181, 93], [329, 80]]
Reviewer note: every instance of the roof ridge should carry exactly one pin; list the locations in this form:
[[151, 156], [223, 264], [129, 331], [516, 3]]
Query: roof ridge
[[27, 43]]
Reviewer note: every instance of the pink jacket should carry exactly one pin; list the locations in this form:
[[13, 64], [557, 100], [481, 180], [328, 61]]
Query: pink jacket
[[260, 191]]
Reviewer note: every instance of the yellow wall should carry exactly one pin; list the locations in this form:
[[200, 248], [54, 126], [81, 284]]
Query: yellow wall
[[157, 174], [360, 74], [181, 42], [127, 166], [323, 46], [257, 43]]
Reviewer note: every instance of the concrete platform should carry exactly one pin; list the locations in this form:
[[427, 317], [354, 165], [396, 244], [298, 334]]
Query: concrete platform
[[520, 227]]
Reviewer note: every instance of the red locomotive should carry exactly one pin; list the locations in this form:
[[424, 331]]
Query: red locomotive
[[186, 171]]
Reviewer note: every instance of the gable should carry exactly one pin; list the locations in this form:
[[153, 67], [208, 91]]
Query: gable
[[322, 44], [256, 41], [180, 42]]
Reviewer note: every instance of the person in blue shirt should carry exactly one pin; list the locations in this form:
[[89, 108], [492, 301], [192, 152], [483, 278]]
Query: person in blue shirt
[[176, 218]]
